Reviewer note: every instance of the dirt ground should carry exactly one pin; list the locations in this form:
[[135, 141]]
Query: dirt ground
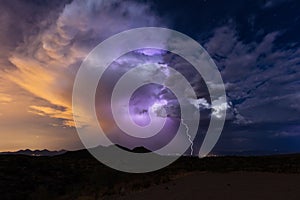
[[231, 186]]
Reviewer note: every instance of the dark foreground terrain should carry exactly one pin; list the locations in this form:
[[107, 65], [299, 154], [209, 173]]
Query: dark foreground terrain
[[77, 175], [225, 186]]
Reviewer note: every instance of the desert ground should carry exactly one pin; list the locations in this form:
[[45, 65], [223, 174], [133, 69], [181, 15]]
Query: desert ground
[[231, 186], [79, 176]]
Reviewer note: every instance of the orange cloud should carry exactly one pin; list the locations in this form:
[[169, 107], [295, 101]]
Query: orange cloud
[[65, 115], [5, 98], [47, 61], [47, 82]]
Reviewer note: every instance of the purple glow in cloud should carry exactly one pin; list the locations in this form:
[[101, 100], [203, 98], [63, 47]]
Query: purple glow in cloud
[[148, 100], [150, 51], [134, 76], [141, 103]]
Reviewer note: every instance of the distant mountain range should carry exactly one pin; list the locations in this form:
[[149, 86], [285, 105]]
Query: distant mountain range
[[29, 152], [46, 152], [141, 149]]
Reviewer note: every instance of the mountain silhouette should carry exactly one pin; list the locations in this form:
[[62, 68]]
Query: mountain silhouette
[[140, 149], [29, 152]]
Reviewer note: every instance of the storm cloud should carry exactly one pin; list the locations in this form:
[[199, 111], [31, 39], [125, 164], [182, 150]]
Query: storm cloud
[[257, 52]]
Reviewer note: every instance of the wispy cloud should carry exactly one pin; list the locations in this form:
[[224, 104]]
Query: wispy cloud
[[5, 98], [65, 115], [261, 79]]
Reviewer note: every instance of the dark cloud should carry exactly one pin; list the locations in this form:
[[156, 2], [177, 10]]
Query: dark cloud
[[262, 81], [18, 19], [273, 3]]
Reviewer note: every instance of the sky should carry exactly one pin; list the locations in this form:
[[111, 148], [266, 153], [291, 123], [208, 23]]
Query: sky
[[255, 45]]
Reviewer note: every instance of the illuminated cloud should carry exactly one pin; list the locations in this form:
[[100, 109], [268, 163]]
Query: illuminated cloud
[[47, 61], [54, 113], [200, 103], [5, 98]]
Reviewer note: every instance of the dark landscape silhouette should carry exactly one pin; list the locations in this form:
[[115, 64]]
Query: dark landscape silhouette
[[78, 175]]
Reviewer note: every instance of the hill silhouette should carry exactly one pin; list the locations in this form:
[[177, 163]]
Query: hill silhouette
[[78, 175], [29, 152], [140, 149]]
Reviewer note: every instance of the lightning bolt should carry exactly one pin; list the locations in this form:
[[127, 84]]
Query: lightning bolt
[[188, 136]]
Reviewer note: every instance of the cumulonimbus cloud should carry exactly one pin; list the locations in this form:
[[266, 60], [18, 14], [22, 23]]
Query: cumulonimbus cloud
[[47, 61]]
